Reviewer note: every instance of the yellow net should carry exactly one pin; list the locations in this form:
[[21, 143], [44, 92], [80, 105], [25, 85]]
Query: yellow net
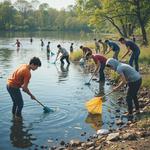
[[94, 106]]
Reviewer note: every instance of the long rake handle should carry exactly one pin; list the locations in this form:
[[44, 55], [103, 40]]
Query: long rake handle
[[107, 94], [40, 103], [91, 77]]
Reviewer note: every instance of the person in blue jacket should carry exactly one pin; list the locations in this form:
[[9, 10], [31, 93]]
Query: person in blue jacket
[[135, 52], [113, 47]]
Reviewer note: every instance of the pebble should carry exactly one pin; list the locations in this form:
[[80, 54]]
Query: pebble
[[112, 136]]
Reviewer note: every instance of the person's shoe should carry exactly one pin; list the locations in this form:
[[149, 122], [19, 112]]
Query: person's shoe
[[137, 112], [126, 114], [101, 80]]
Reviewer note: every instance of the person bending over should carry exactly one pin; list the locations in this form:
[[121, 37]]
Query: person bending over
[[130, 77]]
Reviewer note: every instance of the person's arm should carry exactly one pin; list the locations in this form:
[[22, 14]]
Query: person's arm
[[121, 83], [26, 90], [57, 55], [84, 53], [128, 51]]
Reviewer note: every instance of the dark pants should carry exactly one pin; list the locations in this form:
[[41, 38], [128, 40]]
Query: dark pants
[[135, 57], [101, 72], [65, 57], [16, 96], [132, 95], [116, 53]]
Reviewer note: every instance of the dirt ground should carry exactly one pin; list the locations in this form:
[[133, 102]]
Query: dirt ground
[[141, 144]]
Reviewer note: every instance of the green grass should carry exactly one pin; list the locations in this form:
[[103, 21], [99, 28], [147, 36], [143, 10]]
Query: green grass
[[145, 55], [76, 55], [146, 81]]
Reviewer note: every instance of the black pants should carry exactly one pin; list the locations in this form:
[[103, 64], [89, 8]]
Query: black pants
[[101, 72], [16, 97], [135, 58], [65, 57], [132, 95]]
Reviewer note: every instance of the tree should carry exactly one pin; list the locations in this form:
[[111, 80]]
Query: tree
[[23, 6], [124, 15], [7, 13], [142, 11]]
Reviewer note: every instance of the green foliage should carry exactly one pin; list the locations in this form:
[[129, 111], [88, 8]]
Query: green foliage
[[24, 15], [124, 15]]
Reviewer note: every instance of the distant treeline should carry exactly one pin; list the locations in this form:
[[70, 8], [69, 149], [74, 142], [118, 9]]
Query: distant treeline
[[25, 16]]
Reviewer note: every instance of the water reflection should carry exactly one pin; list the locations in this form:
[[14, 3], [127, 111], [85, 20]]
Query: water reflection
[[19, 135], [62, 72], [94, 120], [48, 57], [5, 57], [18, 49]]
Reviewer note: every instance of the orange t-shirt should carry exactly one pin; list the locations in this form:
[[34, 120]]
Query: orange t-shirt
[[20, 76]]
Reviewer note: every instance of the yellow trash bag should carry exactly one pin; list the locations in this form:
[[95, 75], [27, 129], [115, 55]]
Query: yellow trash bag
[[94, 106]]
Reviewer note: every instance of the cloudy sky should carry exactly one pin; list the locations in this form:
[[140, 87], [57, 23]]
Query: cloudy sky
[[58, 4]]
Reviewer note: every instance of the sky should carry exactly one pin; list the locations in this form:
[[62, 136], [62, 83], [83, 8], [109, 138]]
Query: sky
[[57, 4]]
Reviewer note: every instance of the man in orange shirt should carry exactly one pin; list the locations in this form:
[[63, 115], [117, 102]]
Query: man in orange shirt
[[20, 79]]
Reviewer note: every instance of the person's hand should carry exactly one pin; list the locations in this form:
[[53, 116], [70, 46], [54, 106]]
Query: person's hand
[[130, 54], [33, 97], [123, 60]]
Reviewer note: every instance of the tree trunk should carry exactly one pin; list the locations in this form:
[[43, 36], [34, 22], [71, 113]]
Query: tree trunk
[[138, 11], [145, 41], [113, 23]]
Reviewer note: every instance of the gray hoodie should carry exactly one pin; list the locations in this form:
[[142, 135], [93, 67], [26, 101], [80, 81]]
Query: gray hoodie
[[129, 72]]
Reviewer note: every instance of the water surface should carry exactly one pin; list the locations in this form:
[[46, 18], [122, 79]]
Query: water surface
[[59, 88]]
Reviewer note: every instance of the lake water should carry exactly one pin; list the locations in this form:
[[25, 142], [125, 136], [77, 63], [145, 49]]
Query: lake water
[[61, 89]]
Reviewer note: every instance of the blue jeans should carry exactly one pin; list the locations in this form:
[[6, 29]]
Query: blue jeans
[[135, 57], [101, 72], [16, 97]]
